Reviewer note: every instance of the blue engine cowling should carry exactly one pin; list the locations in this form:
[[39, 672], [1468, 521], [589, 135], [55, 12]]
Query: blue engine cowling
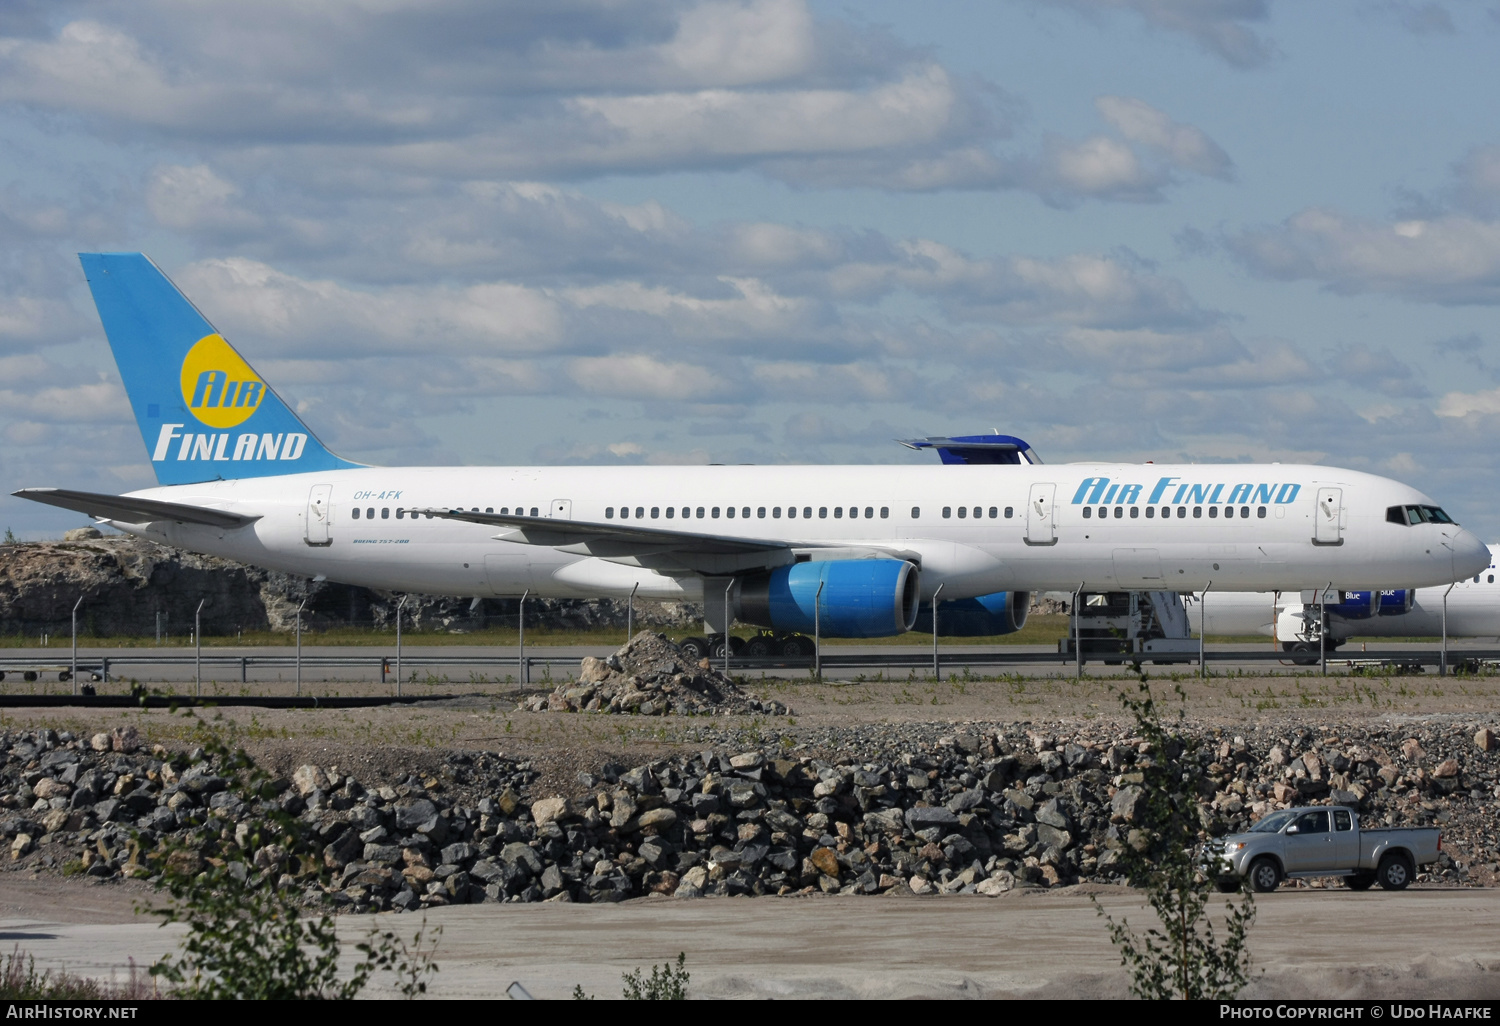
[[1398, 601], [1003, 612], [862, 598], [1355, 605]]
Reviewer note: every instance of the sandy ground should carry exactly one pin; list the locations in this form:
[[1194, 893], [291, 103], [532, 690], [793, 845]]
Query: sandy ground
[[1307, 944]]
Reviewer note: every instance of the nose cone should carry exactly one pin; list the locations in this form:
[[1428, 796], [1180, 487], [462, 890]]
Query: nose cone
[[1470, 555]]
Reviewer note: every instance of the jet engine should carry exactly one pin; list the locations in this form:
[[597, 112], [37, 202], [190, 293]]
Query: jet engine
[[861, 598], [1397, 602], [1003, 612]]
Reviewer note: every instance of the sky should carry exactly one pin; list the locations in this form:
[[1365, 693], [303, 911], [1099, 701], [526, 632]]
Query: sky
[[773, 231]]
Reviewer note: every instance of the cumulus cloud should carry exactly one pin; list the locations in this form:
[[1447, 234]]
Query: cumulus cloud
[[1222, 27], [1448, 259], [1180, 144]]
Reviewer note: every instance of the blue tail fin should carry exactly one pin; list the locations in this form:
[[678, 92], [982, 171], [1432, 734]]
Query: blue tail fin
[[203, 412]]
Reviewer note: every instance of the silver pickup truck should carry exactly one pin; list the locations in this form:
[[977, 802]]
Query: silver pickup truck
[[1325, 841]]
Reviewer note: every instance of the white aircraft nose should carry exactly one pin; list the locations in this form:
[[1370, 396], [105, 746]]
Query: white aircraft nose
[[1470, 555]]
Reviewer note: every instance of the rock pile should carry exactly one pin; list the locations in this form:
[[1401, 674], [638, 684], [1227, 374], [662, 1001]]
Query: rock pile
[[651, 676], [900, 809], [135, 587]]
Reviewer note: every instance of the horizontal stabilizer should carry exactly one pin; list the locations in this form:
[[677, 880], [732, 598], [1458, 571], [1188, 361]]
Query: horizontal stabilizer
[[130, 510]]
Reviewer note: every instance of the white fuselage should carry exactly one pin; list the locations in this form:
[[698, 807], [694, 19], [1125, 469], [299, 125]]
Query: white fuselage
[[1147, 526], [1473, 611]]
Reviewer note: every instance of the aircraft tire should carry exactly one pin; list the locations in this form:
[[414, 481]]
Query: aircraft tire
[[797, 646]]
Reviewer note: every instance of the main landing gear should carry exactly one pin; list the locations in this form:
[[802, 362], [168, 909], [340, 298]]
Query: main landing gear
[[764, 645]]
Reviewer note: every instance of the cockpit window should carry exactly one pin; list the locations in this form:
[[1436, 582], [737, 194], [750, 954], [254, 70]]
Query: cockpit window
[[1410, 515]]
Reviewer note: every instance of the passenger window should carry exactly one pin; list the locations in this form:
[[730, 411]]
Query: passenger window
[[654, 511], [1244, 512], [870, 512], [609, 512], [400, 513], [640, 511], [385, 512], [838, 512], [1088, 512], [947, 511], [1181, 512], [1135, 512], [1009, 512], [624, 512], [853, 512], [823, 512], [1150, 512], [916, 512], [354, 513], [885, 512], [761, 512], [1119, 512], [700, 512], [533, 511], [1198, 512], [963, 511], [1213, 512], [776, 513], [806, 512], [746, 512], [714, 513], [1260, 511], [791, 512], [728, 511], [1491, 580], [671, 511], [370, 513], [487, 509], [1342, 820]]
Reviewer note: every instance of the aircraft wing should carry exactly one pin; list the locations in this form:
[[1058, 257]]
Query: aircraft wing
[[130, 510], [620, 539]]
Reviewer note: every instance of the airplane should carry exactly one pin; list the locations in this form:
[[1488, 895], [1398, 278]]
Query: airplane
[[834, 551], [1473, 611]]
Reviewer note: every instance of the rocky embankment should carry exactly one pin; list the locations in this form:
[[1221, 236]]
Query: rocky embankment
[[863, 810], [650, 676], [132, 587]]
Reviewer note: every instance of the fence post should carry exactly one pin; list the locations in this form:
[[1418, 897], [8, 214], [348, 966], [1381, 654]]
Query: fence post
[[1078, 628], [198, 649], [299, 646], [1323, 628], [936, 673], [726, 625], [1443, 657], [630, 612], [399, 606], [72, 672], [818, 632], [522, 668], [1203, 633]]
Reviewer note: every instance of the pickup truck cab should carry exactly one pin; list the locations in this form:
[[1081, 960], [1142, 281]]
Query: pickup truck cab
[[1325, 841]]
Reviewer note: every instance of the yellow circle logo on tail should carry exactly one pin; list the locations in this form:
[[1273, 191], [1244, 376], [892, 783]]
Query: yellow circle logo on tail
[[218, 386]]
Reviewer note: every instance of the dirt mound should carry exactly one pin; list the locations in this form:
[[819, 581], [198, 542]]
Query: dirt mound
[[651, 676]]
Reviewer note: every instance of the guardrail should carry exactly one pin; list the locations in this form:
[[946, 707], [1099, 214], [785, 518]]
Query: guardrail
[[109, 667]]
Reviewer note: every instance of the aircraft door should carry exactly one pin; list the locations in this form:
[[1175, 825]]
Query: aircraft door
[[1041, 526], [562, 509], [319, 513], [1328, 518]]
